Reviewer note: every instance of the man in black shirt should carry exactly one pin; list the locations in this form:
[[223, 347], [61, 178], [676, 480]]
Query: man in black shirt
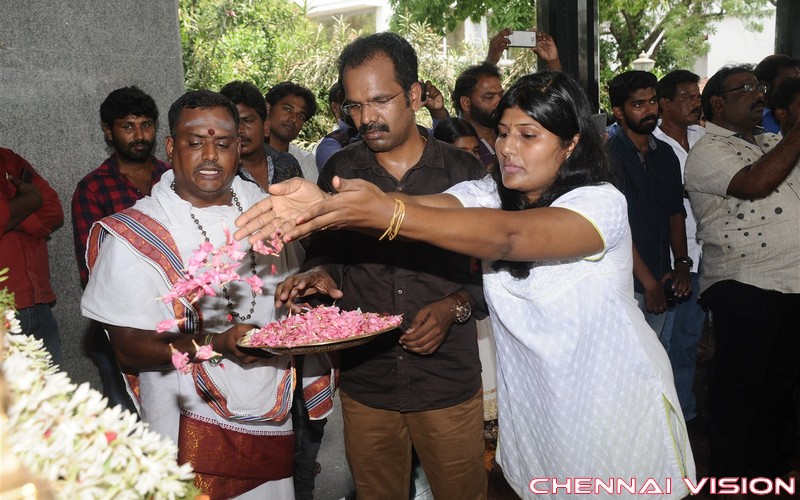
[[650, 177], [259, 162]]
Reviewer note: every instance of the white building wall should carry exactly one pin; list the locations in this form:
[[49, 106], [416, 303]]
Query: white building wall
[[732, 43]]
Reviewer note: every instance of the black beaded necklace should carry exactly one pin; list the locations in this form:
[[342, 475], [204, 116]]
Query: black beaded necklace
[[253, 271]]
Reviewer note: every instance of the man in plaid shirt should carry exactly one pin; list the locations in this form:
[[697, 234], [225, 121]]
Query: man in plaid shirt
[[129, 118]]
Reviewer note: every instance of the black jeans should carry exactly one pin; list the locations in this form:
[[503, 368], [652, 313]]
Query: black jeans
[[752, 417], [103, 356], [308, 438]]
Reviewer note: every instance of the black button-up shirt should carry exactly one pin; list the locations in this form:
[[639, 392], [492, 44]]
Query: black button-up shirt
[[654, 191], [402, 277]]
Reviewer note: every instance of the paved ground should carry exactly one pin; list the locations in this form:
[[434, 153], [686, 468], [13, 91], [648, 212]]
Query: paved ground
[[334, 481]]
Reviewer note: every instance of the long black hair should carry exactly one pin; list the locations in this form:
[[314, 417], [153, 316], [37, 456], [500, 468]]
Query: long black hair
[[560, 105], [452, 129]]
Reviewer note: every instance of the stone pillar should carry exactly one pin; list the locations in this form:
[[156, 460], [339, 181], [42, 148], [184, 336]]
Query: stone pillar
[[58, 61]]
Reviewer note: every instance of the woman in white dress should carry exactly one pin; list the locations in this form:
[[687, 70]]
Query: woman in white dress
[[585, 392]]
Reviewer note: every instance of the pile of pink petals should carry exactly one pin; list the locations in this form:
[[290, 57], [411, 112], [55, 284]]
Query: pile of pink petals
[[320, 324]]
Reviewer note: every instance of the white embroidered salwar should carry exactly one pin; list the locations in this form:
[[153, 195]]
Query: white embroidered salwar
[[124, 290], [585, 388]]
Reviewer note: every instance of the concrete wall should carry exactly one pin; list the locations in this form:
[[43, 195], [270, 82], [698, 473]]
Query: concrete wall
[[58, 61]]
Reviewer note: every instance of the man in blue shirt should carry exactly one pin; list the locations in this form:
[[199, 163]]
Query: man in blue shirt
[[650, 177], [772, 70]]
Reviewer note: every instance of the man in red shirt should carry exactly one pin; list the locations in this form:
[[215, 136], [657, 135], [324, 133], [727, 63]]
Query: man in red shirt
[[129, 118], [29, 211]]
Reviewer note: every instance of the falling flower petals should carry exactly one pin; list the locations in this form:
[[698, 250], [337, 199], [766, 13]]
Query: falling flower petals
[[180, 360], [204, 352], [255, 283], [166, 325], [274, 248]]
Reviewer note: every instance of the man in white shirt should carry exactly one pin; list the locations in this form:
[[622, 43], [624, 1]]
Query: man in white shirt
[[679, 102]]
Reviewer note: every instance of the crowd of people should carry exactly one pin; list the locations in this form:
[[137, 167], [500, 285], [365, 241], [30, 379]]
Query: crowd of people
[[554, 278]]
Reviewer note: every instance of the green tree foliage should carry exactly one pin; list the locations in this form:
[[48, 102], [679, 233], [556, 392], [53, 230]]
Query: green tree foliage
[[675, 30], [270, 41], [446, 15], [265, 42]]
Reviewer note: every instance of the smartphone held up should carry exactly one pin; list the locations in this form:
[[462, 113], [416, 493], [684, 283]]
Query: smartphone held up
[[522, 39]]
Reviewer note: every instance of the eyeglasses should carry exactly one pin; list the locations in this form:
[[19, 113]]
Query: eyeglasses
[[748, 88], [355, 108]]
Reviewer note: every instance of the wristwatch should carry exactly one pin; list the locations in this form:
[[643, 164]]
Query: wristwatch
[[685, 260], [462, 310]]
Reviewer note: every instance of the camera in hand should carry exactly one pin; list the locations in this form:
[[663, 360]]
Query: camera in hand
[[669, 293]]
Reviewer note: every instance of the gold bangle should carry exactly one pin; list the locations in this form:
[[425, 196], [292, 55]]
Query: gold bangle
[[396, 212], [399, 222], [208, 338]]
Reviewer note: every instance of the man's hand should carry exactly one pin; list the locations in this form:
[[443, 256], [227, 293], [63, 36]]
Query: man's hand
[[654, 299], [681, 280], [225, 344], [497, 45], [434, 101], [27, 200], [429, 328], [546, 49], [311, 282], [278, 212]]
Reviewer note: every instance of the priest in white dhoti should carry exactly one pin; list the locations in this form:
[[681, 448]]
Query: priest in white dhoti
[[229, 415]]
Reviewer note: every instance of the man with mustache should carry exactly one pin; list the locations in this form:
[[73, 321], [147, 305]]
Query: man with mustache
[[475, 96], [478, 88], [744, 185], [679, 103], [649, 175], [258, 161], [418, 385], [228, 414], [129, 118]]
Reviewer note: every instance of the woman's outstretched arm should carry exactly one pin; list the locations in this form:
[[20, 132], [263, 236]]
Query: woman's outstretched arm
[[490, 234]]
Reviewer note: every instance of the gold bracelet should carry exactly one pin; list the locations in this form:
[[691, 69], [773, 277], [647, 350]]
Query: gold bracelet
[[400, 218], [208, 338], [391, 222]]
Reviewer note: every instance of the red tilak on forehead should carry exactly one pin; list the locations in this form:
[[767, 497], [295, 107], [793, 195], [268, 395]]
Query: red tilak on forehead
[[211, 131]]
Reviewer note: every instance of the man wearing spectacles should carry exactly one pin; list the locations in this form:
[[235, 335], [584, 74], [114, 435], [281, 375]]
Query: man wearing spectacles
[[418, 385], [744, 186]]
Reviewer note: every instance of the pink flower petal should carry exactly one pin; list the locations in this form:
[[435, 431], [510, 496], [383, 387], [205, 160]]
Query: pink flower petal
[[180, 360], [204, 352], [255, 283], [166, 325]]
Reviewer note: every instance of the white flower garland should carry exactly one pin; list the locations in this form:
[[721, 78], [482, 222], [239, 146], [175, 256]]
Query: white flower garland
[[66, 434]]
